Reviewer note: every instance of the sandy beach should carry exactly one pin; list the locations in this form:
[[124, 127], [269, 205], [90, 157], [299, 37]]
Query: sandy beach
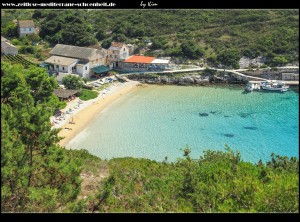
[[75, 122]]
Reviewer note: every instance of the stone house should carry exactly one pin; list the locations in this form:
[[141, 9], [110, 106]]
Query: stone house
[[26, 27], [117, 52]]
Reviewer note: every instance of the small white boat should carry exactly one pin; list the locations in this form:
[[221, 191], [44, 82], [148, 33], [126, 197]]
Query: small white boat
[[249, 87], [274, 86]]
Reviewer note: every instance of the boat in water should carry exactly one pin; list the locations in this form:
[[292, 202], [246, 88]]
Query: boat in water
[[249, 87], [278, 86]]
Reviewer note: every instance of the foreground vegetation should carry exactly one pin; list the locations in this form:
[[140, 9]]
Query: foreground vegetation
[[39, 176], [36, 174], [217, 182]]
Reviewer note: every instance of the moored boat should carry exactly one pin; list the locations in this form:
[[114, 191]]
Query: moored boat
[[274, 86], [249, 87]]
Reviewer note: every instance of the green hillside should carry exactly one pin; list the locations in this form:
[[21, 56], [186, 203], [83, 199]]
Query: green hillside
[[192, 34]]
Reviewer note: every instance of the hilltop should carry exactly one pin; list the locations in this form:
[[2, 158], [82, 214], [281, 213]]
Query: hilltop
[[194, 35]]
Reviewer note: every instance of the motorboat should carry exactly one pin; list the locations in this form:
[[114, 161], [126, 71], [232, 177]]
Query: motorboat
[[278, 86], [249, 87]]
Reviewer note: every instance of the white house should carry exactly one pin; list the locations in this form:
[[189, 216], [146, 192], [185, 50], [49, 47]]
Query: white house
[[61, 64], [7, 48], [117, 52], [76, 60], [83, 69], [26, 27], [94, 57]]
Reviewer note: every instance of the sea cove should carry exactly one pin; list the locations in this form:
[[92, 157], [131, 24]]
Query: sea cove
[[154, 122]]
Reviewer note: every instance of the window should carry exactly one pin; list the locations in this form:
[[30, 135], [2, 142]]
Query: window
[[110, 56], [63, 68], [115, 56], [86, 68], [29, 29], [57, 66]]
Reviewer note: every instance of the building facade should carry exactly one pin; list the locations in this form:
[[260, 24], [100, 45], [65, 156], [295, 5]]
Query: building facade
[[26, 27], [77, 60], [117, 52], [138, 63]]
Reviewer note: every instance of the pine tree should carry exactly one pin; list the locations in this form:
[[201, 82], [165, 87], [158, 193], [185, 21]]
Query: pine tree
[[36, 174]]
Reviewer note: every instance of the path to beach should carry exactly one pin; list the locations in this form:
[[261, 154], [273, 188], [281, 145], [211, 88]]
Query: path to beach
[[75, 122]]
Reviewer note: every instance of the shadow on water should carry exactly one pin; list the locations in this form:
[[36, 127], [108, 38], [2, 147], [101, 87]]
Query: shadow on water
[[244, 115], [294, 89], [246, 92], [229, 135], [203, 114], [286, 98], [250, 127], [215, 112]]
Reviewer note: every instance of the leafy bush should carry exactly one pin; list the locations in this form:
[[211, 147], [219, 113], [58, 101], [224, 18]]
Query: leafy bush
[[72, 82], [29, 49]]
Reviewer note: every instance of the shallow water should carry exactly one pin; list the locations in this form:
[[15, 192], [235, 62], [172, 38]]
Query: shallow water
[[156, 121]]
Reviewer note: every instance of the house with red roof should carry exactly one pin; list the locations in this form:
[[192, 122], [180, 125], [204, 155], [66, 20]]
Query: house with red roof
[[117, 52], [140, 63]]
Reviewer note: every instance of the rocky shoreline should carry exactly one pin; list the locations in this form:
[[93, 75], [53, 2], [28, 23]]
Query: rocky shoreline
[[185, 80]]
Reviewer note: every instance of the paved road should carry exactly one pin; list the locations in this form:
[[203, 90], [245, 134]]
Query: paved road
[[234, 71]]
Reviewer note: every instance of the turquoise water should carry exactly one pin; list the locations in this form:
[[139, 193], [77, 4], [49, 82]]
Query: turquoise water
[[156, 121]]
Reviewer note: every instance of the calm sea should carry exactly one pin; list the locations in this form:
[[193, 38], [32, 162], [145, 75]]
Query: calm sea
[[156, 121]]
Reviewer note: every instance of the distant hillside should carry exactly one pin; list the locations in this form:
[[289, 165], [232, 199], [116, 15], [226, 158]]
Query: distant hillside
[[191, 34]]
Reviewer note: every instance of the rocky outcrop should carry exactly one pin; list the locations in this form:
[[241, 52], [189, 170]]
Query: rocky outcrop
[[246, 62], [185, 80]]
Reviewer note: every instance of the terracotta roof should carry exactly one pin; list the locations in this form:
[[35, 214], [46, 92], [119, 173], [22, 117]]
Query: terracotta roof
[[117, 44], [26, 23], [139, 59], [65, 93], [58, 60], [76, 51]]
